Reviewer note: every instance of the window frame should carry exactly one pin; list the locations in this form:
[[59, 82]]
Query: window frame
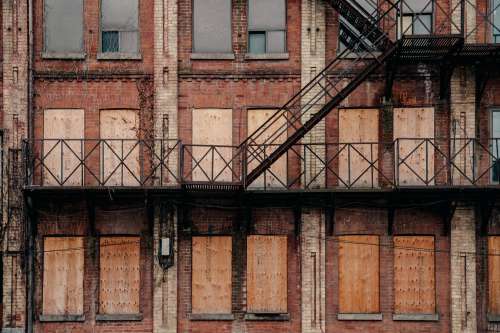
[[495, 38], [414, 18], [231, 30], [491, 145], [58, 54], [250, 31], [102, 54]]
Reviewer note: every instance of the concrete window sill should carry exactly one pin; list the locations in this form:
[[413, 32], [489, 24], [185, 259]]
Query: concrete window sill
[[267, 56], [61, 318], [211, 316], [415, 317], [13, 330], [267, 316], [354, 55], [360, 316], [494, 318], [63, 56], [119, 317], [119, 56], [212, 56]]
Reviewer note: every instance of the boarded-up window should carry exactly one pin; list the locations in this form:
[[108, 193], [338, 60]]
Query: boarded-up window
[[494, 274], [211, 275], [119, 275], [212, 26], [414, 274], [415, 154], [63, 25], [212, 140], [276, 175], [267, 274], [120, 164], [358, 274], [358, 136], [61, 158], [63, 276]]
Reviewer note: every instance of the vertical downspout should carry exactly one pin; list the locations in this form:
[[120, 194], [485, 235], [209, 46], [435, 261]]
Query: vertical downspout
[[30, 223]]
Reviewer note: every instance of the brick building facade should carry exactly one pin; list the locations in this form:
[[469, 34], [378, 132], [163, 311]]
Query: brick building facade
[[237, 166]]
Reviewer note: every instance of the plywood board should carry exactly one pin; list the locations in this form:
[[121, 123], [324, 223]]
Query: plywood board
[[410, 125], [359, 274], [276, 175], [414, 274], [267, 274], [63, 264], [119, 279], [120, 130], [494, 275], [358, 127], [211, 275], [212, 127], [62, 158]]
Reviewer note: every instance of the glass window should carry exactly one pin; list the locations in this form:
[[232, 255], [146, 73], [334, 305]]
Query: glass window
[[495, 12], [120, 26], [63, 26], [495, 145], [212, 26], [416, 17], [266, 26]]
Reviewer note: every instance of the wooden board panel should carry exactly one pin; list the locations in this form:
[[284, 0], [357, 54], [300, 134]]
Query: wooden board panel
[[414, 123], [276, 176], [414, 274], [119, 275], [63, 264], [213, 127], [358, 126], [120, 128], [267, 274], [494, 274], [63, 124], [359, 274], [211, 275]]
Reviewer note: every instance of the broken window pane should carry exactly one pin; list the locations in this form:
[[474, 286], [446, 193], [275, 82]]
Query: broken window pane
[[120, 26], [63, 25], [268, 19], [212, 26]]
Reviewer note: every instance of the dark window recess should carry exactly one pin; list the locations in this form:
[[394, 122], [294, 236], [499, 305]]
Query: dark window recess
[[212, 26], [266, 26], [63, 26], [349, 37], [120, 26]]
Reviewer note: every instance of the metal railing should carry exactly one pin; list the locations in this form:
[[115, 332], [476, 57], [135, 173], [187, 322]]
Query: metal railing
[[101, 162]]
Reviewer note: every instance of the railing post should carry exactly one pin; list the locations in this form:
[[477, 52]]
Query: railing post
[[181, 163], [244, 169]]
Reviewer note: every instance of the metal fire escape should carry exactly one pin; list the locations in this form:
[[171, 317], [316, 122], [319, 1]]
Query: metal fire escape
[[366, 47]]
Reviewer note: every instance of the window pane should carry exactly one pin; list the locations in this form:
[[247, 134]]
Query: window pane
[[422, 24], [275, 42], [257, 42], [266, 14], [110, 41], [496, 20], [212, 25], [417, 6], [129, 42], [406, 25], [63, 25], [120, 15], [495, 145]]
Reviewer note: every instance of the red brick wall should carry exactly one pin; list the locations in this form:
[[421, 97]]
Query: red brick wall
[[421, 221], [219, 221], [70, 217]]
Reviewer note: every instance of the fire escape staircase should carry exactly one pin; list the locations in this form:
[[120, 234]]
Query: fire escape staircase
[[366, 48]]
